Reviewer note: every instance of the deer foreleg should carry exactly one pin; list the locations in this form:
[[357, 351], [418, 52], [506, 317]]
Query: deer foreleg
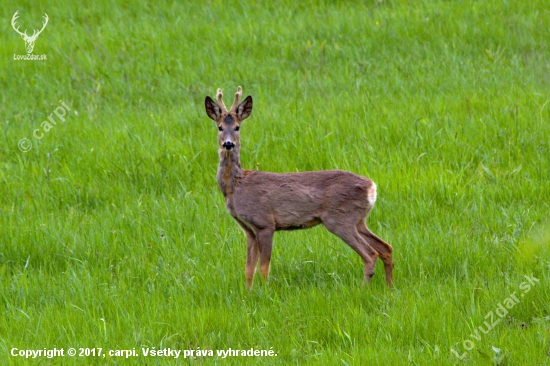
[[252, 254], [265, 241]]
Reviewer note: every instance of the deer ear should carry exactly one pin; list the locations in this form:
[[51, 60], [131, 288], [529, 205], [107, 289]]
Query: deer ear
[[245, 108], [213, 110]]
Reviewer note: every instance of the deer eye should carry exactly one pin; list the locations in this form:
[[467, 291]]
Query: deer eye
[[237, 128], [220, 128]]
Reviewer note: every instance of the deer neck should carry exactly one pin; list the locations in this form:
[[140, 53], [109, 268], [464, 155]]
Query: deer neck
[[230, 171]]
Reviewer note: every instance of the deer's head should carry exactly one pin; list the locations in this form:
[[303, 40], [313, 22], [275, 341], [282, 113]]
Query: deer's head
[[29, 40], [228, 122]]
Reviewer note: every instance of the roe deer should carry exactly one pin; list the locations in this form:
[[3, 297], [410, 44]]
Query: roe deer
[[263, 202]]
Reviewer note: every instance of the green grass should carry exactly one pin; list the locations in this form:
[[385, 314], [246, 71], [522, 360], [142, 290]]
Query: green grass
[[113, 233]]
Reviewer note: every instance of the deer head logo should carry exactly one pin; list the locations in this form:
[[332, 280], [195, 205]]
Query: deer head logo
[[29, 40]]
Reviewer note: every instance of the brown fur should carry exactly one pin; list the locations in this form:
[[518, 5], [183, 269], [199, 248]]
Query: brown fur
[[263, 202]]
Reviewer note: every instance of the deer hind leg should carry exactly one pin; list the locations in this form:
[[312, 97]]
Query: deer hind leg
[[350, 235], [384, 249], [265, 241], [252, 255]]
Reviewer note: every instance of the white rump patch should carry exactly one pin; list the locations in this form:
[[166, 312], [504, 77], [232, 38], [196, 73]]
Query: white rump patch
[[371, 194]]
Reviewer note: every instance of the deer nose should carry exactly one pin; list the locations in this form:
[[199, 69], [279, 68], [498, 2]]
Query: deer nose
[[228, 145]]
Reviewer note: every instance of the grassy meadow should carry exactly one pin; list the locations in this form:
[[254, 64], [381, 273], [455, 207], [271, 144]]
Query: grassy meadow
[[114, 235]]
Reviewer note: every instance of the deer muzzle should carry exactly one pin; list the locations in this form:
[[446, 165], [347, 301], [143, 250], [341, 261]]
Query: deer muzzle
[[228, 145]]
